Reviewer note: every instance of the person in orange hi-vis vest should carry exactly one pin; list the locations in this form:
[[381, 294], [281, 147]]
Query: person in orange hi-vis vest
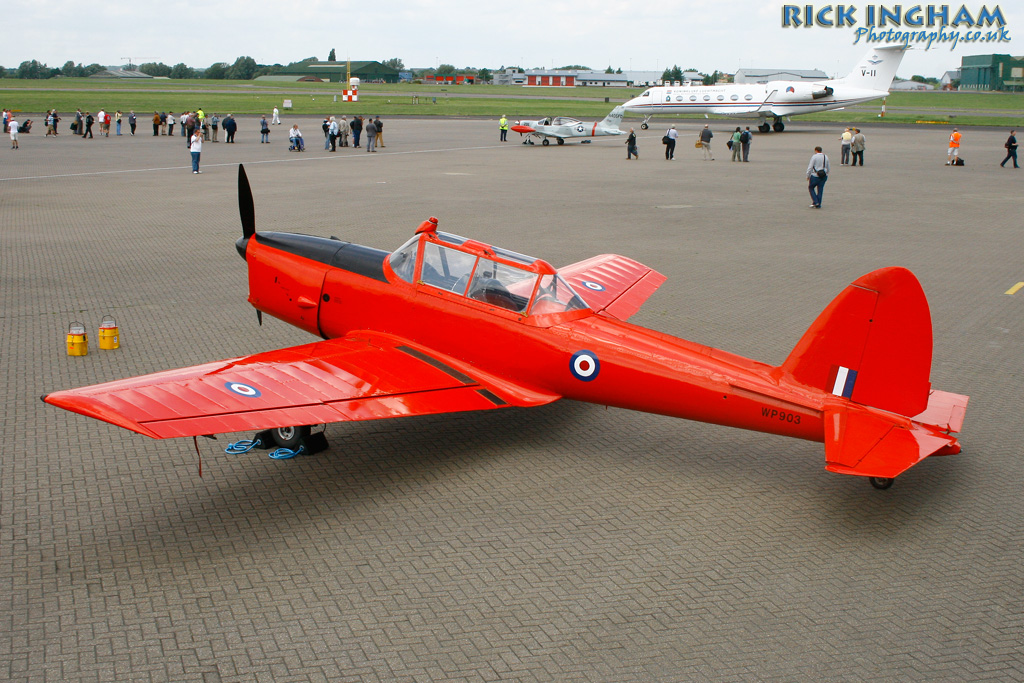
[[954, 148]]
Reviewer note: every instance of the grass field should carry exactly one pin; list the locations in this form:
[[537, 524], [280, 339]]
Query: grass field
[[255, 97]]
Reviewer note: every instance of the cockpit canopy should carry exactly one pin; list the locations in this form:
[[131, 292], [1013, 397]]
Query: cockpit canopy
[[495, 276], [564, 121]]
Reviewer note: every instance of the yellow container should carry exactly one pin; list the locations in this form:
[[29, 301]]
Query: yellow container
[[109, 338], [78, 340]]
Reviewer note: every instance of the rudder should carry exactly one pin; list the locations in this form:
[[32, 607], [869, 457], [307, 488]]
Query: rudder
[[872, 344]]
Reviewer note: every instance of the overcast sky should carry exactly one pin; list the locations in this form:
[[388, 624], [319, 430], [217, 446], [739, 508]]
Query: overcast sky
[[649, 34]]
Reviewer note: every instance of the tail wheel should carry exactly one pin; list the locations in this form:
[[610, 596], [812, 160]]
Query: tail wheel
[[289, 437], [880, 483]]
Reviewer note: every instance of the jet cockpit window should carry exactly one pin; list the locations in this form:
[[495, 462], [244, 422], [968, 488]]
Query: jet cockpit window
[[647, 93], [555, 296], [403, 259]]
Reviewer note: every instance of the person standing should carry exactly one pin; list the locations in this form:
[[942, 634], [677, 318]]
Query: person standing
[[89, 120], [264, 130], [631, 150], [953, 153], [229, 129], [79, 123], [1011, 150], [214, 124], [332, 134], [326, 126], [163, 123], [705, 142], [117, 120], [343, 131], [845, 142], [737, 152], [817, 174], [101, 118], [380, 130], [745, 140], [357, 128], [857, 144], [195, 147], [371, 136], [671, 135], [12, 128], [170, 124], [276, 119], [503, 128], [133, 121]]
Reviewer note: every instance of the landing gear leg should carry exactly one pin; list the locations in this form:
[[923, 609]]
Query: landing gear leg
[[643, 126], [880, 483]]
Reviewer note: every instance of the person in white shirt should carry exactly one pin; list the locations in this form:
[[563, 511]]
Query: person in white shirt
[[195, 148], [817, 174], [295, 135], [275, 119], [12, 126], [170, 123]]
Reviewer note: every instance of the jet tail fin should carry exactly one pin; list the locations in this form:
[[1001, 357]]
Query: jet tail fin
[[871, 348], [876, 69], [614, 118]]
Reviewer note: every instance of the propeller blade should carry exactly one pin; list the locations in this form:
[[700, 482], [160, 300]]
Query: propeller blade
[[246, 210], [259, 317]]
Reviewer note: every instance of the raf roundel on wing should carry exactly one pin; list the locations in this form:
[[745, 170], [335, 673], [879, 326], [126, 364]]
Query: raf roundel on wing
[[243, 389]]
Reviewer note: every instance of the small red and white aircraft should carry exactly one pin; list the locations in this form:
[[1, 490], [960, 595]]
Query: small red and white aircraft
[[562, 128], [869, 80], [446, 324]]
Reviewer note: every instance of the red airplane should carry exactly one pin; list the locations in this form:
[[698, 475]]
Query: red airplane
[[447, 324]]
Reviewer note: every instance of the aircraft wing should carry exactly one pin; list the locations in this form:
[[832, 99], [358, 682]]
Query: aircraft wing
[[612, 284], [360, 377]]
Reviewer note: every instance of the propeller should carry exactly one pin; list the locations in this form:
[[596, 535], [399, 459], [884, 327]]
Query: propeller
[[246, 210], [247, 214]]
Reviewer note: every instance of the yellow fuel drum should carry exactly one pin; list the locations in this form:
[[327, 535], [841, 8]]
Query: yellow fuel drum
[[109, 337], [78, 340]]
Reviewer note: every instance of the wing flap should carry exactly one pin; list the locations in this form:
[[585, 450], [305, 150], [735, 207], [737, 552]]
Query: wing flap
[[612, 284], [356, 378]]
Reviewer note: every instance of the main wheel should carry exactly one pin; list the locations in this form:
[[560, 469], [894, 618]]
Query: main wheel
[[561, 141], [778, 126], [545, 142], [289, 437], [643, 126], [764, 127], [880, 483]]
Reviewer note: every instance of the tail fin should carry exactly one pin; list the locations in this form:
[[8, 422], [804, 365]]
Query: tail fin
[[614, 118], [876, 69], [872, 344]]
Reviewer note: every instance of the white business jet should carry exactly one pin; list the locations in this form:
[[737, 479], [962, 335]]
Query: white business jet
[[869, 80]]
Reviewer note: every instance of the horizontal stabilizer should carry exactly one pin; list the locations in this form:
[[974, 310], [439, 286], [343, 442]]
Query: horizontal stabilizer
[[871, 444]]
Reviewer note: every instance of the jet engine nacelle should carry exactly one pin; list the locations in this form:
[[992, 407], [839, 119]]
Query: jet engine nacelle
[[798, 92]]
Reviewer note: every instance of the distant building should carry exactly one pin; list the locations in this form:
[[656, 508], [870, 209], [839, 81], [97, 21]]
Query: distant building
[[766, 75], [992, 72], [949, 78], [906, 86], [626, 79], [335, 72], [550, 79], [508, 77], [119, 73]]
